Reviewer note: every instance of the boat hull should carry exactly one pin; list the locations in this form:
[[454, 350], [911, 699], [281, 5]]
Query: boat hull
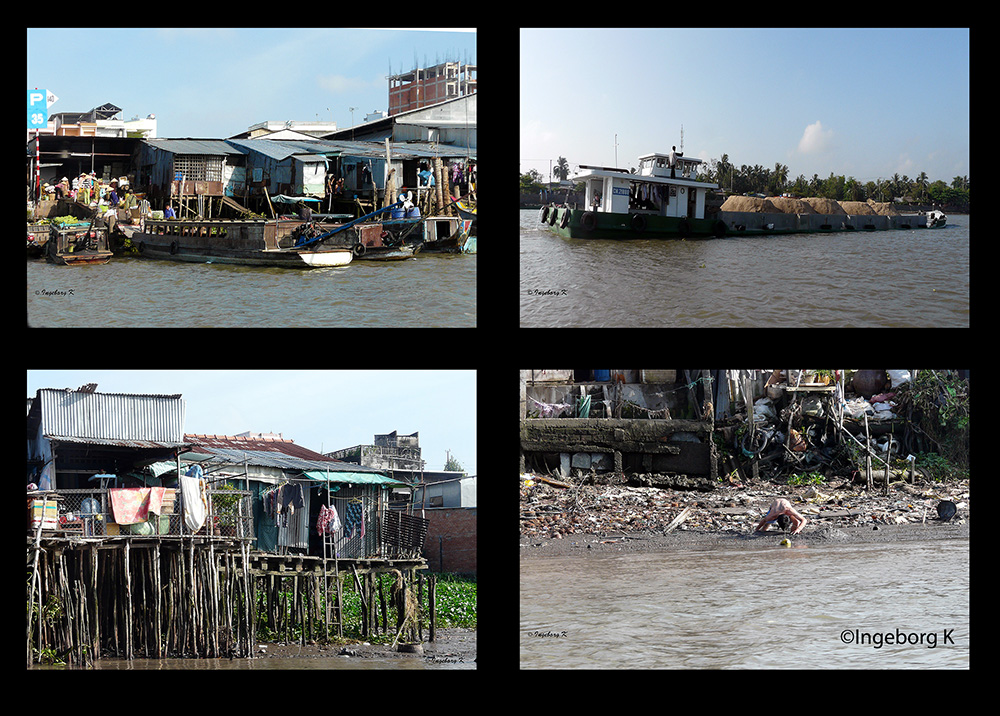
[[82, 258], [235, 248], [580, 224]]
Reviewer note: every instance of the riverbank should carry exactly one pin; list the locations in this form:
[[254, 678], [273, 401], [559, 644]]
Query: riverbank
[[597, 519], [451, 645], [690, 539]]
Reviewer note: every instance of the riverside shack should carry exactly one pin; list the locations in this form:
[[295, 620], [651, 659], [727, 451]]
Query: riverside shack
[[140, 539]]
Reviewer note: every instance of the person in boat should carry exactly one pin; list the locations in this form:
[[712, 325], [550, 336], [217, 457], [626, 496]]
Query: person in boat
[[782, 508]]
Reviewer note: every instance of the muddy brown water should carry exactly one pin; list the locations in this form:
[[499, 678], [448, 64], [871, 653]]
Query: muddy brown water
[[854, 606], [899, 278]]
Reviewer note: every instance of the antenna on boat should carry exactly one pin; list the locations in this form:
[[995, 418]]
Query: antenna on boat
[[682, 139], [616, 150]]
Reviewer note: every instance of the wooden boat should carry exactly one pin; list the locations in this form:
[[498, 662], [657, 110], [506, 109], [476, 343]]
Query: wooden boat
[[250, 243], [368, 242], [447, 234], [76, 244], [466, 211]]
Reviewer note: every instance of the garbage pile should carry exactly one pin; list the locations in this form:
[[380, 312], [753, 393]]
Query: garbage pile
[[554, 512], [834, 423], [856, 448]]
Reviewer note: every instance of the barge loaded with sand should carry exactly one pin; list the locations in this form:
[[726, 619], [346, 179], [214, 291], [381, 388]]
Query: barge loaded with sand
[[666, 202]]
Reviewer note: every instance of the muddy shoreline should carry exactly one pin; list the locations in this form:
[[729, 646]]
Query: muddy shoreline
[[452, 645], [584, 544]]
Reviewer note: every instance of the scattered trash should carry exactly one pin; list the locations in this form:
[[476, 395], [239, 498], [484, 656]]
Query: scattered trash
[[809, 445]]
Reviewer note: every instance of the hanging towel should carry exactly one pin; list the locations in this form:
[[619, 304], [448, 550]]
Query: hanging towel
[[156, 495], [130, 505], [195, 506]]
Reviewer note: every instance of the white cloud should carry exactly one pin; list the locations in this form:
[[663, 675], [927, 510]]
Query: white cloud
[[534, 133], [815, 139], [339, 84]]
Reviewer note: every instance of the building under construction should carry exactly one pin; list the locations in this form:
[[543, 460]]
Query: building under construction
[[425, 86]]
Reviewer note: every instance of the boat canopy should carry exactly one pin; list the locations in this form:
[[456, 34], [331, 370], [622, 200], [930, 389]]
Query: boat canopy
[[652, 190]]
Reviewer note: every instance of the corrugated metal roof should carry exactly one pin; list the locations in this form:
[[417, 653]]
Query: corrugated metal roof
[[281, 149], [194, 146], [115, 443], [273, 148], [268, 452], [112, 416]]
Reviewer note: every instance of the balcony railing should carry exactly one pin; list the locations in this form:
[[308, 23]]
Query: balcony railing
[[87, 513]]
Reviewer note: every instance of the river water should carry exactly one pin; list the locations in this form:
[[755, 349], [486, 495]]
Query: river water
[[899, 278], [436, 290], [890, 605]]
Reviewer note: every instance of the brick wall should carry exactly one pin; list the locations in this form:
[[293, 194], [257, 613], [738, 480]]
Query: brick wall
[[450, 545]]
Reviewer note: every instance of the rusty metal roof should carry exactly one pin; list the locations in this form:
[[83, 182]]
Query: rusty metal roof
[[269, 452]]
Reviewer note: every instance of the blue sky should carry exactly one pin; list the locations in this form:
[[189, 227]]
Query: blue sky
[[321, 410], [862, 103], [216, 82]]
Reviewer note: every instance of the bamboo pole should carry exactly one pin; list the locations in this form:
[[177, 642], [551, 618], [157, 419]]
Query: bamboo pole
[[157, 589], [34, 581], [128, 605]]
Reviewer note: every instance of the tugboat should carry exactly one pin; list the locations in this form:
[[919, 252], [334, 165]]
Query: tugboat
[[659, 202]]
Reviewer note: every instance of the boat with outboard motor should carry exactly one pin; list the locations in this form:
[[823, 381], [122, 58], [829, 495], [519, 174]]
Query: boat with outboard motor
[[665, 200]]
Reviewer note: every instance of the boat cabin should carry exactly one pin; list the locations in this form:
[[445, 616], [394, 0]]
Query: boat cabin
[[652, 191]]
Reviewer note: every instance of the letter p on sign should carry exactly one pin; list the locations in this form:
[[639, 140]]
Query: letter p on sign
[[38, 109]]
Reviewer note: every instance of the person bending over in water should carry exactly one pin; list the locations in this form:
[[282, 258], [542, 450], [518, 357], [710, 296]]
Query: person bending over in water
[[782, 507]]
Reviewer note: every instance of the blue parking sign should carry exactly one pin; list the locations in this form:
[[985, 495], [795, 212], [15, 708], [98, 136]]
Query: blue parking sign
[[38, 109]]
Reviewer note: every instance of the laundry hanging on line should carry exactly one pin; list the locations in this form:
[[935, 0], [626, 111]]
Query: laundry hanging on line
[[329, 520], [354, 519]]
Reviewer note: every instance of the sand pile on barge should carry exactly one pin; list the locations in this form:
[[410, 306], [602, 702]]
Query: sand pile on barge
[[749, 203], [824, 206], [883, 208], [791, 206], [857, 208], [808, 205]]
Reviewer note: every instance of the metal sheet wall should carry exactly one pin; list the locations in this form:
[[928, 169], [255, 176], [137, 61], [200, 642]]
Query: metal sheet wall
[[123, 417]]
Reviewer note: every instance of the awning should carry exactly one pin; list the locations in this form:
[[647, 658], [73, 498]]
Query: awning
[[354, 478], [284, 199]]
